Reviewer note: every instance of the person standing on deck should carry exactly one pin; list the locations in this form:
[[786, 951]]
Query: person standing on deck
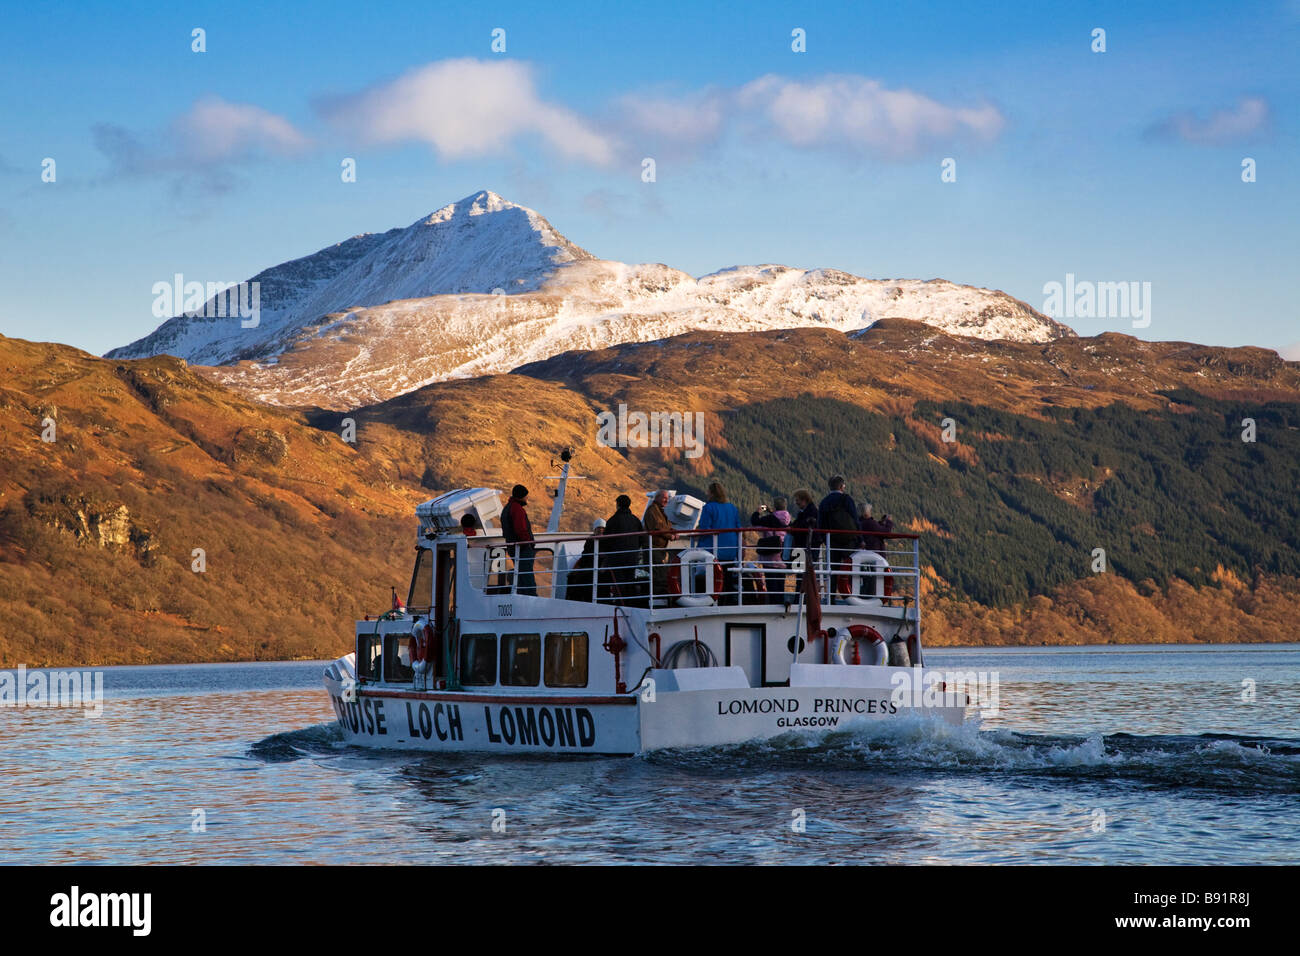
[[718, 512], [837, 512], [770, 545], [661, 533], [518, 532], [804, 522], [626, 552]]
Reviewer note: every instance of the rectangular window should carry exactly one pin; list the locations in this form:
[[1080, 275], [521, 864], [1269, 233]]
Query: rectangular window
[[521, 660], [397, 658], [478, 659], [420, 597], [566, 659], [368, 656]]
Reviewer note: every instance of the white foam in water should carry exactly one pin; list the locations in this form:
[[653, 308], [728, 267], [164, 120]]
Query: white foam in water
[[916, 742]]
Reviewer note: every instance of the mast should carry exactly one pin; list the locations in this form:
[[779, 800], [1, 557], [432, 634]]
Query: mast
[[557, 509]]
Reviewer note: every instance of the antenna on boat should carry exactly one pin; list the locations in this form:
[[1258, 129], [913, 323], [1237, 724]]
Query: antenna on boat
[[557, 509]]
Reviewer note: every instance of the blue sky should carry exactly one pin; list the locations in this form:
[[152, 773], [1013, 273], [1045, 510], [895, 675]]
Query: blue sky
[[1115, 166]]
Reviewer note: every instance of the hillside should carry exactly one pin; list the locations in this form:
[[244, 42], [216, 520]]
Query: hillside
[[300, 533], [1061, 447]]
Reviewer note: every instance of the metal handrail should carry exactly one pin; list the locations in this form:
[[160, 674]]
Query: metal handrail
[[609, 587]]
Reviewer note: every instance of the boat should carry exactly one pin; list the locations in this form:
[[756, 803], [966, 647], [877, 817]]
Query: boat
[[496, 650]]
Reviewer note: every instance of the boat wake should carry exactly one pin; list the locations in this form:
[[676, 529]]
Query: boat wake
[[1212, 762], [295, 744]]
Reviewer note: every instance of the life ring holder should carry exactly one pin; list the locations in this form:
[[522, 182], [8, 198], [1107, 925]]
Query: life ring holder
[[855, 633], [689, 597], [856, 562]]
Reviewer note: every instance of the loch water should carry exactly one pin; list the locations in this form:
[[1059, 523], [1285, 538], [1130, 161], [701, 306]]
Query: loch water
[[1116, 754]]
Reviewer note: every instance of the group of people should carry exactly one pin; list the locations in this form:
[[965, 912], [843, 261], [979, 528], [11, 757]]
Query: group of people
[[622, 571], [806, 530], [623, 542]]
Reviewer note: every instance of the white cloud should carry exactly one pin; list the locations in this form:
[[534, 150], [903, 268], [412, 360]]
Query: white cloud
[[465, 108], [835, 112], [1221, 128], [858, 112], [1290, 352], [200, 147], [215, 130], [691, 120]]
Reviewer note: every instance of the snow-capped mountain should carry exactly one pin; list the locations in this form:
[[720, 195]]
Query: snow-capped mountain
[[484, 286], [479, 244]]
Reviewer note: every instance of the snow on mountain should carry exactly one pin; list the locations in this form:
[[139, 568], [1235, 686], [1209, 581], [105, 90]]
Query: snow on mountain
[[479, 244], [380, 315]]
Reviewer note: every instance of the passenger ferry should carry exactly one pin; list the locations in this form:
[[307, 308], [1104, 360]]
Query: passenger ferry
[[659, 648]]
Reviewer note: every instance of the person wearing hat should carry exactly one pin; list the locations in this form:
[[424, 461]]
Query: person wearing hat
[[625, 554], [519, 533]]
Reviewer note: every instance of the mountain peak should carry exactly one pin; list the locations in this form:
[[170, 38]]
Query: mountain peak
[[476, 204], [381, 313], [480, 244]]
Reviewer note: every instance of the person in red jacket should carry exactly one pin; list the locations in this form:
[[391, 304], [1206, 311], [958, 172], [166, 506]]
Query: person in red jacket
[[519, 533]]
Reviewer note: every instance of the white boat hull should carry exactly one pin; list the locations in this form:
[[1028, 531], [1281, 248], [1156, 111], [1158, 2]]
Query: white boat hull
[[695, 707]]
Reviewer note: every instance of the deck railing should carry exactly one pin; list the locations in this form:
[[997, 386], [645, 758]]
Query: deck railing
[[696, 569]]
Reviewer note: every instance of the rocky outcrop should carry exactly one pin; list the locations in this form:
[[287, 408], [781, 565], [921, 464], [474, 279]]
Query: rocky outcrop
[[96, 522]]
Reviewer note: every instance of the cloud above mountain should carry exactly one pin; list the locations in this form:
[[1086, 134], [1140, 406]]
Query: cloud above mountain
[[467, 108], [216, 130], [834, 112], [1240, 123], [471, 109], [198, 146]]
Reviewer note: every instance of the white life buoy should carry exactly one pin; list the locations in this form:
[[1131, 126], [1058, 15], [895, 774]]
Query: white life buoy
[[877, 652], [689, 596], [859, 559]]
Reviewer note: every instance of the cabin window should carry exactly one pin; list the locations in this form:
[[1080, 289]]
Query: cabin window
[[420, 597], [478, 659], [368, 656], [521, 660], [566, 659], [397, 658]]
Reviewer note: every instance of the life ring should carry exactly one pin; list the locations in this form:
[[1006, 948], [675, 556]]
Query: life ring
[[421, 638], [712, 581], [855, 575], [861, 632]]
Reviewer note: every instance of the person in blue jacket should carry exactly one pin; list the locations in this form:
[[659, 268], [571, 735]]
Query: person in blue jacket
[[718, 512]]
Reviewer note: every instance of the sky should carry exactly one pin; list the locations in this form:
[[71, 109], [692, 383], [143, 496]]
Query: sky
[[812, 135]]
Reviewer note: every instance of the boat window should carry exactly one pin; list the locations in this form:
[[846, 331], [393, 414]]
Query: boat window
[[566, 659], [368, 656], [521, 659], [478, 659], [397, 658], [420, 597]]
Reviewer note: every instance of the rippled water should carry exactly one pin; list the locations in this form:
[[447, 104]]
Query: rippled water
[[1097, 755]]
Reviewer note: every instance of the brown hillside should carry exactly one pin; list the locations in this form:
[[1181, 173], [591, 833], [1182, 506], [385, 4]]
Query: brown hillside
[[97, 529], [303, 533]]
